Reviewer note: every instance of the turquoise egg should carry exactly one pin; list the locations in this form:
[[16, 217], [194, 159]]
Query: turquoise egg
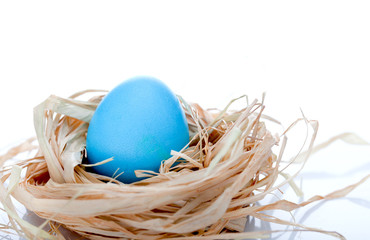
[[137, 124]]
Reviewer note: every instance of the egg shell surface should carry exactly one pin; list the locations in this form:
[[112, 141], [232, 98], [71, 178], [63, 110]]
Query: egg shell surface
[[138, 123]]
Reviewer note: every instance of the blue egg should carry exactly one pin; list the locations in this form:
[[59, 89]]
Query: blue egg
[[138, 123]]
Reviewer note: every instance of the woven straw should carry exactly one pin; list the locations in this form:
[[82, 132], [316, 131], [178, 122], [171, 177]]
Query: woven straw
[[228, 166]]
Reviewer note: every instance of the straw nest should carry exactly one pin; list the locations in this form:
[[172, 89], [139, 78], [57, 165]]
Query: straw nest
[[228, 166]]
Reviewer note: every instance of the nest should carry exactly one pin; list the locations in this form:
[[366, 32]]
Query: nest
[[204, 191]]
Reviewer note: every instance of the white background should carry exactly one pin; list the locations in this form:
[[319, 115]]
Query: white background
[[309, 55]]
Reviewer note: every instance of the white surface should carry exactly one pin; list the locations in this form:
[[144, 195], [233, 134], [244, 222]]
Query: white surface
[[312, 55]]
